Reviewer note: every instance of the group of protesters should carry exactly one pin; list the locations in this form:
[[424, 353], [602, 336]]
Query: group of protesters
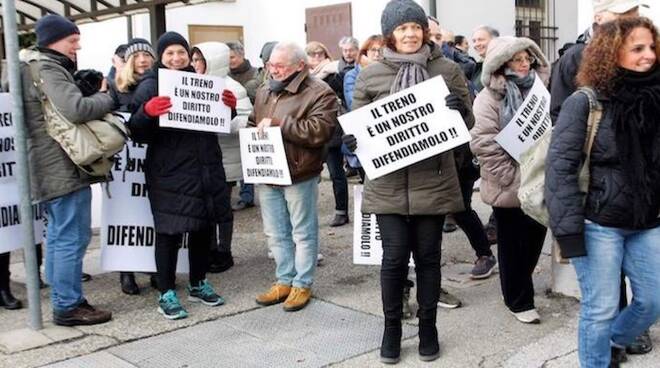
[[610, 231]]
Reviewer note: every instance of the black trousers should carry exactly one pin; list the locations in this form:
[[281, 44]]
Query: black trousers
[[470, 222], [402, 235], [335, 161], [167, 252], [4, 271], [520, 240], [221, 242]]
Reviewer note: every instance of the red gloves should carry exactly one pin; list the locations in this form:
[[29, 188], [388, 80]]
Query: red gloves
[[157, 106], [229, 99]]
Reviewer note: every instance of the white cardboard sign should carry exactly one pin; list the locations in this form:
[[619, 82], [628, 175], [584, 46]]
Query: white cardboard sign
[[405, 128], [263, 157], [128, 237], [196, 102], [529, 123], [11, 230], [367, 244]]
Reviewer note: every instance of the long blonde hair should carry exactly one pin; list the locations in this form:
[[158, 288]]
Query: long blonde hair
[[127, 77]]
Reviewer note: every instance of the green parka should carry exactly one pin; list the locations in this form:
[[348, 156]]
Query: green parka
[[429, 187]]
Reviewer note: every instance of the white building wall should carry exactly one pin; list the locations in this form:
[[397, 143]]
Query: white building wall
[[262, 21], [462, 17]]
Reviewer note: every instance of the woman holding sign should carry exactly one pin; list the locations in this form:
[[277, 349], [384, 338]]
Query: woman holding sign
[[185, 182], [139, 58], [615, 227], [410, 204], [511, 66]]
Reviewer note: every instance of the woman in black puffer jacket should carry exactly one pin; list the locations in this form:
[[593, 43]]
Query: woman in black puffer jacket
[[185, 182], [618, 227]]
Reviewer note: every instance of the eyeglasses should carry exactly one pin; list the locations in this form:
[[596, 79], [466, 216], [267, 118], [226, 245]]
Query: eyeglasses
[[519, 60], [316, 54], [277, 66], [378, 50]]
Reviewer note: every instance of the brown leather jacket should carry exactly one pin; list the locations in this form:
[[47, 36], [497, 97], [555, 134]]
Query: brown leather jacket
[[306, 111]]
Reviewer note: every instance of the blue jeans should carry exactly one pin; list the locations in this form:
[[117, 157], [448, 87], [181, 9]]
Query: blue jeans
[[610, 250], [246, 193], [291, 226], [69, 233]]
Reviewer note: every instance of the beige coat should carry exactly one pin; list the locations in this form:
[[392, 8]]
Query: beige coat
[[500, 174]]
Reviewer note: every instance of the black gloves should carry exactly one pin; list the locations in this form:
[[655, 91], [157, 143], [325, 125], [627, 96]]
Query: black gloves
[[350, 142], [455, 103], [89, 81]]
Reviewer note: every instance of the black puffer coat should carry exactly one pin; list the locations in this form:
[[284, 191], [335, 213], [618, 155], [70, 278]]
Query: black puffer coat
[[184, 174], [610, 197]]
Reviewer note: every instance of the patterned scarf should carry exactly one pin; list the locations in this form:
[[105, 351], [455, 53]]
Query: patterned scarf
[[516, 90], [412, 67]]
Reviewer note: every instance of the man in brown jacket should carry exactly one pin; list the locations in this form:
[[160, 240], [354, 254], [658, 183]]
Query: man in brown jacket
[[305, 109]]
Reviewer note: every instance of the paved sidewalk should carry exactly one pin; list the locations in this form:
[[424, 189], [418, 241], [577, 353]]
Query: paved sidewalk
[[341, 327]]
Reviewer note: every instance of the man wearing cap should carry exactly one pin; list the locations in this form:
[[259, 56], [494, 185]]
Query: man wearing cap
[[57, 182], [563, 85]]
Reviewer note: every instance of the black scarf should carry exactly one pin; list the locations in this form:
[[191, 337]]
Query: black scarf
[[244, 67], [636, 116], [279, 86], [68, 64]]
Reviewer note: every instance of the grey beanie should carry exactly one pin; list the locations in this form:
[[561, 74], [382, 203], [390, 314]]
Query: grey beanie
[[398, 12]]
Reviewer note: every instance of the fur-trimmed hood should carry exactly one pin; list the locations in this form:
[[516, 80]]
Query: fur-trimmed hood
[[216, 55], [501, 50]]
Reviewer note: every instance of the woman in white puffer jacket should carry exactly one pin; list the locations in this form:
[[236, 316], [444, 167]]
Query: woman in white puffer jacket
[[212, 58]]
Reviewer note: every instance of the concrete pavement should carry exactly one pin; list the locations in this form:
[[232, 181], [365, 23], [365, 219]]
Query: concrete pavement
[[341, 327]]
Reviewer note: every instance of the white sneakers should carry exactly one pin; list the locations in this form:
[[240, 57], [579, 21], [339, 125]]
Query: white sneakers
[[529, 316]]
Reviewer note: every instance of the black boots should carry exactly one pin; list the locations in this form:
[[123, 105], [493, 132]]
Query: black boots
[[429, 349], [618, 357], [642, 344], [390, 348], [128, 284], [8, 301]]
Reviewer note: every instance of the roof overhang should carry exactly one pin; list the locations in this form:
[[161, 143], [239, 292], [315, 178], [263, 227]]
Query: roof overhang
[[85, 11]]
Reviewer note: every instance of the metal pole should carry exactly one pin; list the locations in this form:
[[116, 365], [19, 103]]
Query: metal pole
[[433, 8], [16, 90]]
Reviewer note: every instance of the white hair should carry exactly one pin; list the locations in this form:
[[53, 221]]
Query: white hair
[[293, 50], [348, 40]]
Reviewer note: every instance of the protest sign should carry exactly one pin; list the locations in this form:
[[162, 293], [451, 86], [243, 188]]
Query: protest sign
[[128, 237], [263, 157], [529, 123], [11, 230], [196, 102], [404, 128], [367, 244]]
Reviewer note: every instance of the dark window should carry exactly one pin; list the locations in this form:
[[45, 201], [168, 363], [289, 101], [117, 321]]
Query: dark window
[[529, 3], [535, 31], [519, 28]]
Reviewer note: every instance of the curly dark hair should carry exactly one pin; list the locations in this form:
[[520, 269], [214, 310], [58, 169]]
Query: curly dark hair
[[599, 66]]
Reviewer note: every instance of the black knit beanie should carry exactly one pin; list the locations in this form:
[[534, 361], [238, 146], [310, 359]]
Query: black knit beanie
[[52, 28], [398, 12], [138, 44], [169, 39]]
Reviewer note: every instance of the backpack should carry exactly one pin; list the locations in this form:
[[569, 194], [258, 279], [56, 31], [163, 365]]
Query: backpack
[[532, 164], [91, 145]]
